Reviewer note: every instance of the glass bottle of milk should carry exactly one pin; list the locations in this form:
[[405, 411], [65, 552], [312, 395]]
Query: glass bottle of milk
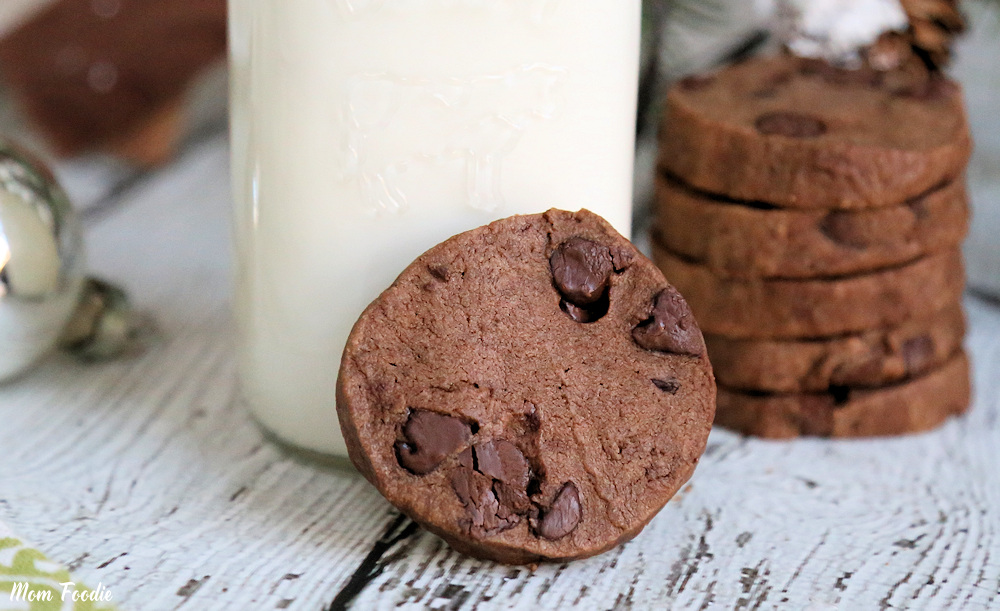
[[366, 131]]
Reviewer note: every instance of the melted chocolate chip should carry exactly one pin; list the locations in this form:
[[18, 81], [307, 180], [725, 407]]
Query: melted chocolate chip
[[430, 438], [501, 460], [587, 315], [492, 482], [844, 228], [466, 459], [669, 386], [581, 270], [513, 500], [790, 124], [918, 354], [563, 516], [862, 373], [440, 272], [485, 515], [532, 420], [671, 327]]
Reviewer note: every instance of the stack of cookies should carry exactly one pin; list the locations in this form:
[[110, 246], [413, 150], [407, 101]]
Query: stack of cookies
[[812, 217]]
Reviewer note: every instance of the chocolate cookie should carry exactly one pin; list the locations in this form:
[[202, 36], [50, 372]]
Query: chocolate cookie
[[797, 133], [919, 405], [530, 390], [865, 360], [815, 308], [741, 241]]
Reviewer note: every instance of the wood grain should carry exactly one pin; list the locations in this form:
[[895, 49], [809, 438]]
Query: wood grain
[[147, 475]]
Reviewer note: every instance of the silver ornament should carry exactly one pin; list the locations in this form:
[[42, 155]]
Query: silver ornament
[[45, 299], [41, 260]]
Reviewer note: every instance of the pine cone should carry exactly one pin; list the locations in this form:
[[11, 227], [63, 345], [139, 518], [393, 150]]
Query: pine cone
[[933, 27]]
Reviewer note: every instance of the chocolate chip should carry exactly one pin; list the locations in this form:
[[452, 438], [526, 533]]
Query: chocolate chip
[[585, 315], [466, 459], [671, 327], [563, 516], [918, 354], [845, 228], [695, 82], [867, 372], [503, 461], [581, 270], [485, 516], [430, 438], [439, 271], [669, 386], [513, 501], [492, 481], [790, 124], [532, 420]]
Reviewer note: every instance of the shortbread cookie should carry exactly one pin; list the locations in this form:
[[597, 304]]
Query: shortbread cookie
[[785, 131], [919, 405], [754, 242], [814, 308], [531, 390], [865, 360]]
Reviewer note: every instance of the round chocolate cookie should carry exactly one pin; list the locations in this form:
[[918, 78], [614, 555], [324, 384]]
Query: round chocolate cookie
[[914, 406], [531, 390], [815, 308], [865, 360], [800, 134], [741, 241]]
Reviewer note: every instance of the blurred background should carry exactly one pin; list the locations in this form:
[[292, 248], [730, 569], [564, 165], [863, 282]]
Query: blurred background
[[113, 89]]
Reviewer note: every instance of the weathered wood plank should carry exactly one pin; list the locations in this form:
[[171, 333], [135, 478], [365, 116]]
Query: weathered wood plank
[[146, 475]]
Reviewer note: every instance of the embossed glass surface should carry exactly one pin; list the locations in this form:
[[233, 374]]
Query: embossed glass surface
[[366, 131]]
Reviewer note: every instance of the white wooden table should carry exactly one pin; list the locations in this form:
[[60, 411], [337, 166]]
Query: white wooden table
[[146, 475]]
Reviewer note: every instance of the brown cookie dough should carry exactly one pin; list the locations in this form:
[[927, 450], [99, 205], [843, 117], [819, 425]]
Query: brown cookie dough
[[530, 390], [797, 133], [741, 241], [866, 360], [919, 405], [815, 308]]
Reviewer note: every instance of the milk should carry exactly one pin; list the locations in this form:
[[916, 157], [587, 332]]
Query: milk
[[366, 131]]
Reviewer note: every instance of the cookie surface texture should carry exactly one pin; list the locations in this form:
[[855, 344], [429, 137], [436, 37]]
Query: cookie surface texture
[[816, 308], [799, 134], [914, 406], [742, 241], [531, 390], [864, 360]]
